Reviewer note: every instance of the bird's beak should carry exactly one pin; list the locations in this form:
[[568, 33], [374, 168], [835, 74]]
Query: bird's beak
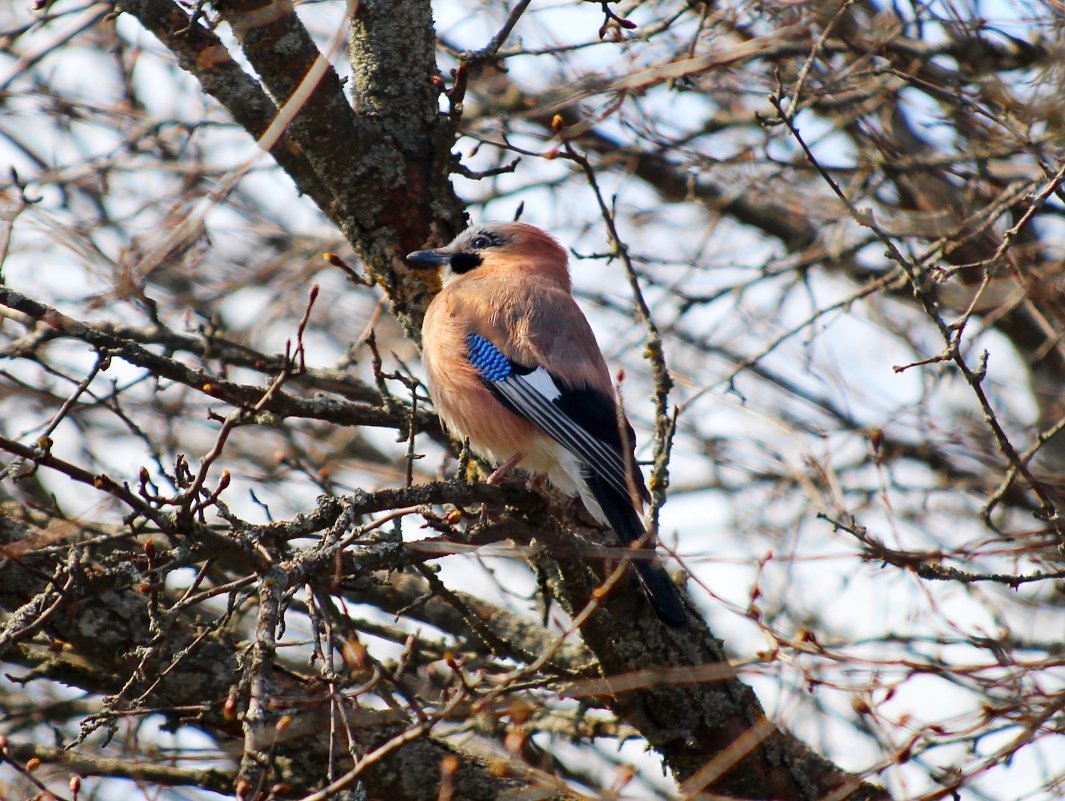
[[423, 259]]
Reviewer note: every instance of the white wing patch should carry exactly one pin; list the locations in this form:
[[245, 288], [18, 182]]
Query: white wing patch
[[545, 386]]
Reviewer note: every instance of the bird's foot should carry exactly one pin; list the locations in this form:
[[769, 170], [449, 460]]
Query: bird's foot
[[504, 469]]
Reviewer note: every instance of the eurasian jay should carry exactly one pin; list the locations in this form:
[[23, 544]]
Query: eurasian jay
[[513, 365]]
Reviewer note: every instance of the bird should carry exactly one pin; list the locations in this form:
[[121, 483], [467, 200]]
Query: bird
[[514, 367]]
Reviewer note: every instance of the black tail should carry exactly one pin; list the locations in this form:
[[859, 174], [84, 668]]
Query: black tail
[[661, 592], [659, 588]]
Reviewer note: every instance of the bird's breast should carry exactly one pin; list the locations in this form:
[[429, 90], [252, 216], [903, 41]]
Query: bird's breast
[[464, 403]]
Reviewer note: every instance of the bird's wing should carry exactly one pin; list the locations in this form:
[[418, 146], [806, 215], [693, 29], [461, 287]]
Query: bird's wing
[[584, 420]]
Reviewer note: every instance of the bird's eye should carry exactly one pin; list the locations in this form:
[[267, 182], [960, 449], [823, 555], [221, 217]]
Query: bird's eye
[[481, 242]]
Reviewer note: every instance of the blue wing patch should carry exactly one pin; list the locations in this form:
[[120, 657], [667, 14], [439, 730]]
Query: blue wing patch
[[487, 359]]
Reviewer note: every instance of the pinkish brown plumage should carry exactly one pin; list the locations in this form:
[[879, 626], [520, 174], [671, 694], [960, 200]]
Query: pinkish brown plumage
[[514, 366]]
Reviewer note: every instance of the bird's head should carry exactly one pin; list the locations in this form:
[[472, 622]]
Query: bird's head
[[498, 247]]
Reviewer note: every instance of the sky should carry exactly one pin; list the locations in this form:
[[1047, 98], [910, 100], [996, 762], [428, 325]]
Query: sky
[[803, 569]]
